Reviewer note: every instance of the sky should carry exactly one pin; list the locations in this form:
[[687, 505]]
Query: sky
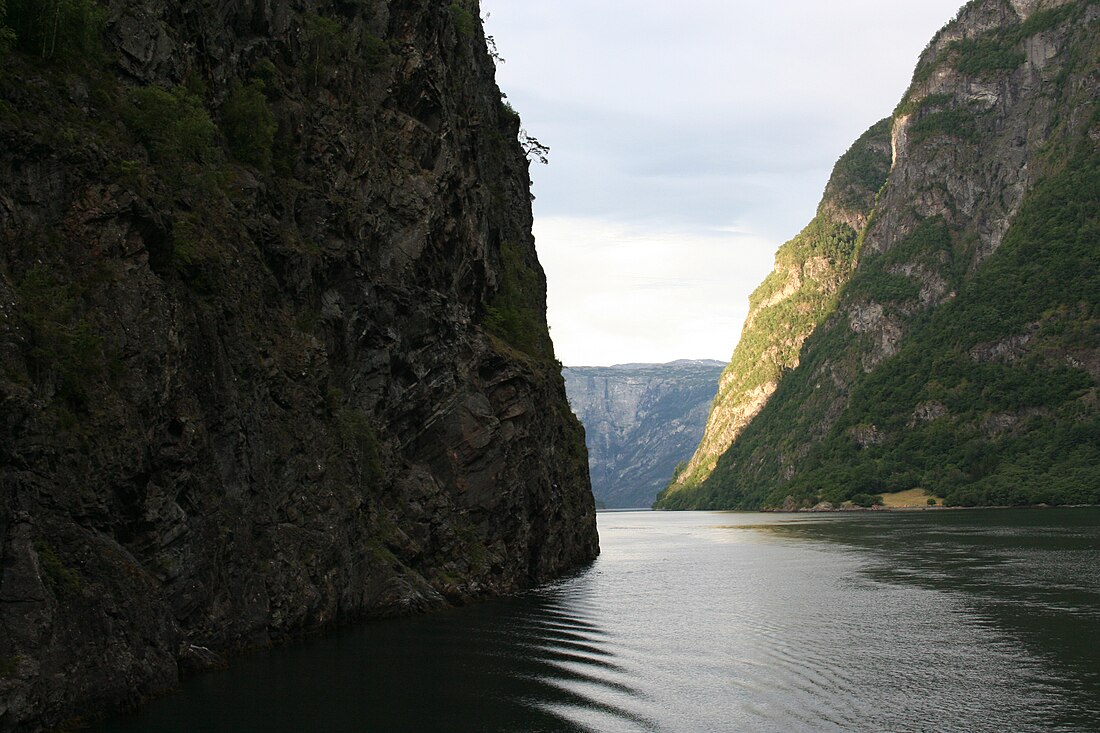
[[688, 140]]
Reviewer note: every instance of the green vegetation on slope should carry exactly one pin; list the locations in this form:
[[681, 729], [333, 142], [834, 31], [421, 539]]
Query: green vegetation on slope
[[972, 376], [779, 428], [997, 51], [987, 402], [65, 352], [249, 125], [174, 126], [859, 174], [795, 298], [1019, 422], [516, 312], [881, 277], [770, 345], [776, 328]]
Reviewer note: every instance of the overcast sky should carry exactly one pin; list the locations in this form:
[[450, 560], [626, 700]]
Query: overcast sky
[[688, 141]]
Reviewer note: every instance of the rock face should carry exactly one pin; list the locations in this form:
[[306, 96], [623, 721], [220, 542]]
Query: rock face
[[801, 290], [640, 422], [273, 352], [960, 355]]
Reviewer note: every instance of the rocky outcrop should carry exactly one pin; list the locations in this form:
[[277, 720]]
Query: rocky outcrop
[[641, 421], [956, 357], [273, 352]]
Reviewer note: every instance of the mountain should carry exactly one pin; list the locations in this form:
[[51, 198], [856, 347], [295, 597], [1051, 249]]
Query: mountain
[[273, 349], [792, 301], [961, 354], [640, 422]]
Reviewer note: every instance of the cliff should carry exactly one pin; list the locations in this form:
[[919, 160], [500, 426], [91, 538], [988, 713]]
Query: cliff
[[640, 422], [273, 351], [794, 298], [963, 353]]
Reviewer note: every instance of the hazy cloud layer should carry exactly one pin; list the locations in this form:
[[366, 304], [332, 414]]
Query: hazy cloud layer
[[688, 141]]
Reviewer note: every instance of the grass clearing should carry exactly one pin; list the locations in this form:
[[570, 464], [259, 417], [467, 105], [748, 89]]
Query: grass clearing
[[909, 499]]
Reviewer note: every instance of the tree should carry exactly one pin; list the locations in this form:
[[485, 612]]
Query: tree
[[532, 147], [249, 125]]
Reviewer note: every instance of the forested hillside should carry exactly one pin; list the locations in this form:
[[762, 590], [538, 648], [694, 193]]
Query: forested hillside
[[963, 354]]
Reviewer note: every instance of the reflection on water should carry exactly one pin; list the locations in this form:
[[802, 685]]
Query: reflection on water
[[930, 621]]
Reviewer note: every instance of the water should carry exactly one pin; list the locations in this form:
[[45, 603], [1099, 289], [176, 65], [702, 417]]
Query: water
[[970, 621]]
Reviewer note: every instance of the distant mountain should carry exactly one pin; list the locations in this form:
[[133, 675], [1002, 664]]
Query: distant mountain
[[947, 335], [640, 421]]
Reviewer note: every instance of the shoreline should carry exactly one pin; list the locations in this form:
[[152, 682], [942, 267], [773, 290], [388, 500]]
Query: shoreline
[[855, 510]]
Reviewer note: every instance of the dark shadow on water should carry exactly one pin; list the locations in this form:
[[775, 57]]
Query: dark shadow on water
[[964, 622], [514, 664]]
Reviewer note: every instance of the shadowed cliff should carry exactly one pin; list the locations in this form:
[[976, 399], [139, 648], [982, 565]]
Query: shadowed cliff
[[273, 350]]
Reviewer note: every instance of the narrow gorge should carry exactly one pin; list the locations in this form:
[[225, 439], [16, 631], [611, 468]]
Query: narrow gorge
[[640, 422]]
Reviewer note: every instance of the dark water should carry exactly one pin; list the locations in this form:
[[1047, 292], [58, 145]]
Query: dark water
[[933, 621]]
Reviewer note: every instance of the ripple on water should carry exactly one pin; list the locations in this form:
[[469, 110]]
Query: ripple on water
[[945, 622]]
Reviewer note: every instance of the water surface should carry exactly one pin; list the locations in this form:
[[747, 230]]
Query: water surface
[[984, 620]]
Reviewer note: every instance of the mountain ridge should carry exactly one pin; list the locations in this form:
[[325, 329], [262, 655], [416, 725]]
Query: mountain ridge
[[640, 421], [960, 355]]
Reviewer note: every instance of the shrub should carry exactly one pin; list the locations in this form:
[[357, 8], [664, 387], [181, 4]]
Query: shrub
[[515, 311], [866, 500], [62, 578], [358, 435], [173, 125], [952, 122], [65, 350], [266, 72], [1044, 20], [374, 51], [508, 115], [463, 20], [249, 125], [985, 56], [197, 256], [874, 284]]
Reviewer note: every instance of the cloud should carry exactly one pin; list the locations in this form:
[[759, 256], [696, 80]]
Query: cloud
[[635, 294], [673, 123]]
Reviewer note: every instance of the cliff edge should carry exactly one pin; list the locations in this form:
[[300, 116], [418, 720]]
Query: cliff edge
[[273, 350]]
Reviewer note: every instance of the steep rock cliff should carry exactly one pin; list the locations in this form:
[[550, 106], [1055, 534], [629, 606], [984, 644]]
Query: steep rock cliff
[[962, 354], [640, 421], [801, 290], [273, 352]]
